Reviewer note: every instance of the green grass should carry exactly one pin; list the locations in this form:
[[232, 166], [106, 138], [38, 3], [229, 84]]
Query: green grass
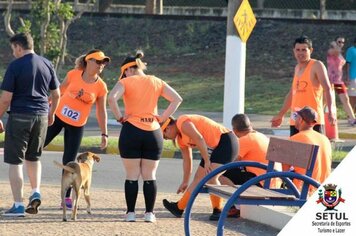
[[265, 96], [339, 155], [199, 93]]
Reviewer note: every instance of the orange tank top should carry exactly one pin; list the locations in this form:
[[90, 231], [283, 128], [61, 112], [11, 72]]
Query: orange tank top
[[322, 168], [78, 97], [209, 129], [140, 99], [304, 93]]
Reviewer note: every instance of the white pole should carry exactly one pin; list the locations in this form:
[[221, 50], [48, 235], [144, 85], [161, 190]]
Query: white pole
[[235, 63]]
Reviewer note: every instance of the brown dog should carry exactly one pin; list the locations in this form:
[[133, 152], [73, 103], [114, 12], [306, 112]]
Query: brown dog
[[78, 175]]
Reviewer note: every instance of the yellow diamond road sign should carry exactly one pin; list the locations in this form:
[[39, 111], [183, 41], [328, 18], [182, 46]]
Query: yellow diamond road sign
[[244, 20]]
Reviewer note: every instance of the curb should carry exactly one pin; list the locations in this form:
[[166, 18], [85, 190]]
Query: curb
[[347, 135], [109, 150], [114, 151]]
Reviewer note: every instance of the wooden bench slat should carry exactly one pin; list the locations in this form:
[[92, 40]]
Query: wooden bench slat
[[287, 152], [253, 192]]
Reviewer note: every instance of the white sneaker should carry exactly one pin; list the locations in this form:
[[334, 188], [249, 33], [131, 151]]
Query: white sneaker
[[150, 217], [130, 217]]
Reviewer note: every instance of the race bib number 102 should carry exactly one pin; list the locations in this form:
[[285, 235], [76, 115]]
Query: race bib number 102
[[70, 113]]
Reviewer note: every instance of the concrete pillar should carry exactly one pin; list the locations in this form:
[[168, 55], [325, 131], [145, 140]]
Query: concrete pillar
[[235, 63]]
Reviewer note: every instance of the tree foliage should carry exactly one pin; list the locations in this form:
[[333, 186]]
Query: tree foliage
[[48, 23]]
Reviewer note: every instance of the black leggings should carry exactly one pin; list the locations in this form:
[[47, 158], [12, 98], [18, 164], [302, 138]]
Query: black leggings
[[72, 138]]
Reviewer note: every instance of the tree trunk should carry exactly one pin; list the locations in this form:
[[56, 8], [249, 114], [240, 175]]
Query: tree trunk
[[62, 45], [322, 9], [44, 26], [104, 5], [59, 61], [7, 19], [260, 4], [150, 7]]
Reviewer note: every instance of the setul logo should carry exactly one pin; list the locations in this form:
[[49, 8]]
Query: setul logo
[[330, 197]]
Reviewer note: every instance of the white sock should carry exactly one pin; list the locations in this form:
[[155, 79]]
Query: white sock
[[17, 204], [34, 190]]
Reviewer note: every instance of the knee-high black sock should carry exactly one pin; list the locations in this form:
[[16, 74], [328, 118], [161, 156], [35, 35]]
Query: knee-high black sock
[[150, 193], [131, 191]]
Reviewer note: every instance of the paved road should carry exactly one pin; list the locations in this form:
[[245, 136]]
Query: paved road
[[109, 172]]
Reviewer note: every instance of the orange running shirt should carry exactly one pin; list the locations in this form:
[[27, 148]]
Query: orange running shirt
[[78, 97], [253, 147], [322, 168], [304, 93], [140, 98], [209, 129]]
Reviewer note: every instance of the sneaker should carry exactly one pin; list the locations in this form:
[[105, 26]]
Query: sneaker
[[216, 215], [130, 217], [150, 217], [68, 202], [15, 211], [173, 208], [233, 212], [34, 203]]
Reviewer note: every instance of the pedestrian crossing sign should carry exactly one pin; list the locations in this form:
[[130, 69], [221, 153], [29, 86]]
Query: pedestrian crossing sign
[[244, 20]]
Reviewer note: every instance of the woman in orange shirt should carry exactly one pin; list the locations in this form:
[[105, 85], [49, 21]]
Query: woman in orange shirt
[[217, 145], [141, 140], [81, 88]]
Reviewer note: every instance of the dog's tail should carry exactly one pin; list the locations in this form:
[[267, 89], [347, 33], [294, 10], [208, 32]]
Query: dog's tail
[[67, 168]]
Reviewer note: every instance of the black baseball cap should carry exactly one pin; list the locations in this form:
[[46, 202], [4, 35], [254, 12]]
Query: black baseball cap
[[308, 114]]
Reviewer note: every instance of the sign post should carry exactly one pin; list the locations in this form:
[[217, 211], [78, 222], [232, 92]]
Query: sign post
[[235, 59]]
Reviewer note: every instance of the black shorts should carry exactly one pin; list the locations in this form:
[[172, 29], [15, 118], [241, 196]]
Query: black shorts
[[226, 151], [24, 137], [138, 143], [239, 175], [317, 128]]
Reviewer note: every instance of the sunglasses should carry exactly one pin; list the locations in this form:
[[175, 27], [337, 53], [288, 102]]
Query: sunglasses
[[102, 62]]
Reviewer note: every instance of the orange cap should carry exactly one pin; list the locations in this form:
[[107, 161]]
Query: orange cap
[[126, 66], [97, 56], [165, 124]]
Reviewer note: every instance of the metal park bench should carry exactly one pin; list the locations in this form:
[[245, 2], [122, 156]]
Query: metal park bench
[[279, 150]]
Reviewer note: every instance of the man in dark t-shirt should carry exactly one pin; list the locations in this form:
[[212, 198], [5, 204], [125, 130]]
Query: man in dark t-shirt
[[27, 82]]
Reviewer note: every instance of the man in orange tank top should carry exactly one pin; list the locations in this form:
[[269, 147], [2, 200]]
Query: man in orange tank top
[[217, 146], [253, 146], [310, 82], [305, 119]]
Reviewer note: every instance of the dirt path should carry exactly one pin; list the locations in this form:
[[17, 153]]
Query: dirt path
[[108, 208]]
